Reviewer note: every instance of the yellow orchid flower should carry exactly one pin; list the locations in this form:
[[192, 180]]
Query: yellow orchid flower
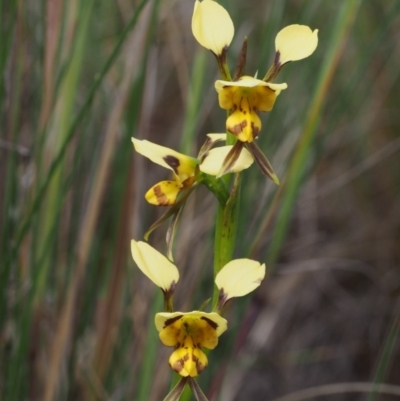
[[245, 97], [185, 168], [189, 333]]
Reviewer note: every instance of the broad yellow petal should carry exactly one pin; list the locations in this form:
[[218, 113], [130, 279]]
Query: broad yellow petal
[[213, 161], [163, 319], [183, 166], [244, 123], [212, 26], [154, 265], [295, 42], [188, 360], [261, 95], [239, 277], [248, 82], [164, 193]]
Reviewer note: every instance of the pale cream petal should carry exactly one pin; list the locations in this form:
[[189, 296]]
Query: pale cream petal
[[295, 42], [212, 26], [154, 265], [248, 82], [239, 277], [213, 161], [217, 137], [183, 166], [210, 141]]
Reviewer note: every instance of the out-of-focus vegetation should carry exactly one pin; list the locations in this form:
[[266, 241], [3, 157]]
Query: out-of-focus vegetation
[[78, 79]]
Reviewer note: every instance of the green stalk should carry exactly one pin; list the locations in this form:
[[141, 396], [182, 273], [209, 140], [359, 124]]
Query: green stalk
[[385, 358], [225, 232], [194, 98], [72, 130], [150, 353]]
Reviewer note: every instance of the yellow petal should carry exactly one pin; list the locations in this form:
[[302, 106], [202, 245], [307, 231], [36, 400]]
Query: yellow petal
[[183, 166], [164, 193], [188, 360], [261, 94], [239, 277], [154, 265], [244, 123], [163, 319], [212, 26], [170, 335], [295, 42], [213, 162]]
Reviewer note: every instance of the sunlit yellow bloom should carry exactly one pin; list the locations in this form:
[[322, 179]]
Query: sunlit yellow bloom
[[185, 168], [212, 26], [155, 266], [295, 42], [245, 97], [189, 333], [238, 278]]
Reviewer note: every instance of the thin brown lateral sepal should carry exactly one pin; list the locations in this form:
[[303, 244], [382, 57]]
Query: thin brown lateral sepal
[[177, 391], [197, 392], [231, 158], [262, 161]]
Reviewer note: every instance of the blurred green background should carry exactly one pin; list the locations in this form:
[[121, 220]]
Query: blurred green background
[[78, 80]]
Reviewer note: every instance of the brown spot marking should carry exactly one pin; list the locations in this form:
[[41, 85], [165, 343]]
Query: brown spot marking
[[199, 366], [178, 365], [255, 130], [238, 128], [161, 197], [173, 162], [210, 322], [172, 320]]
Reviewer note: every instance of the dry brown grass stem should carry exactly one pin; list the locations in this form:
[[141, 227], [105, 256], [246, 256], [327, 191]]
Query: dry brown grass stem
[[53, 27], [62, 337]]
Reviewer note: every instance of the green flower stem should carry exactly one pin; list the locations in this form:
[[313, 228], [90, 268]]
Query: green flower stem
[[217, 186], [225, 232]]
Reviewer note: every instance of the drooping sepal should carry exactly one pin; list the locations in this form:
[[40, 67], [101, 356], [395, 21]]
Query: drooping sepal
[[262, 161], [197, 391], [176, 392]]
